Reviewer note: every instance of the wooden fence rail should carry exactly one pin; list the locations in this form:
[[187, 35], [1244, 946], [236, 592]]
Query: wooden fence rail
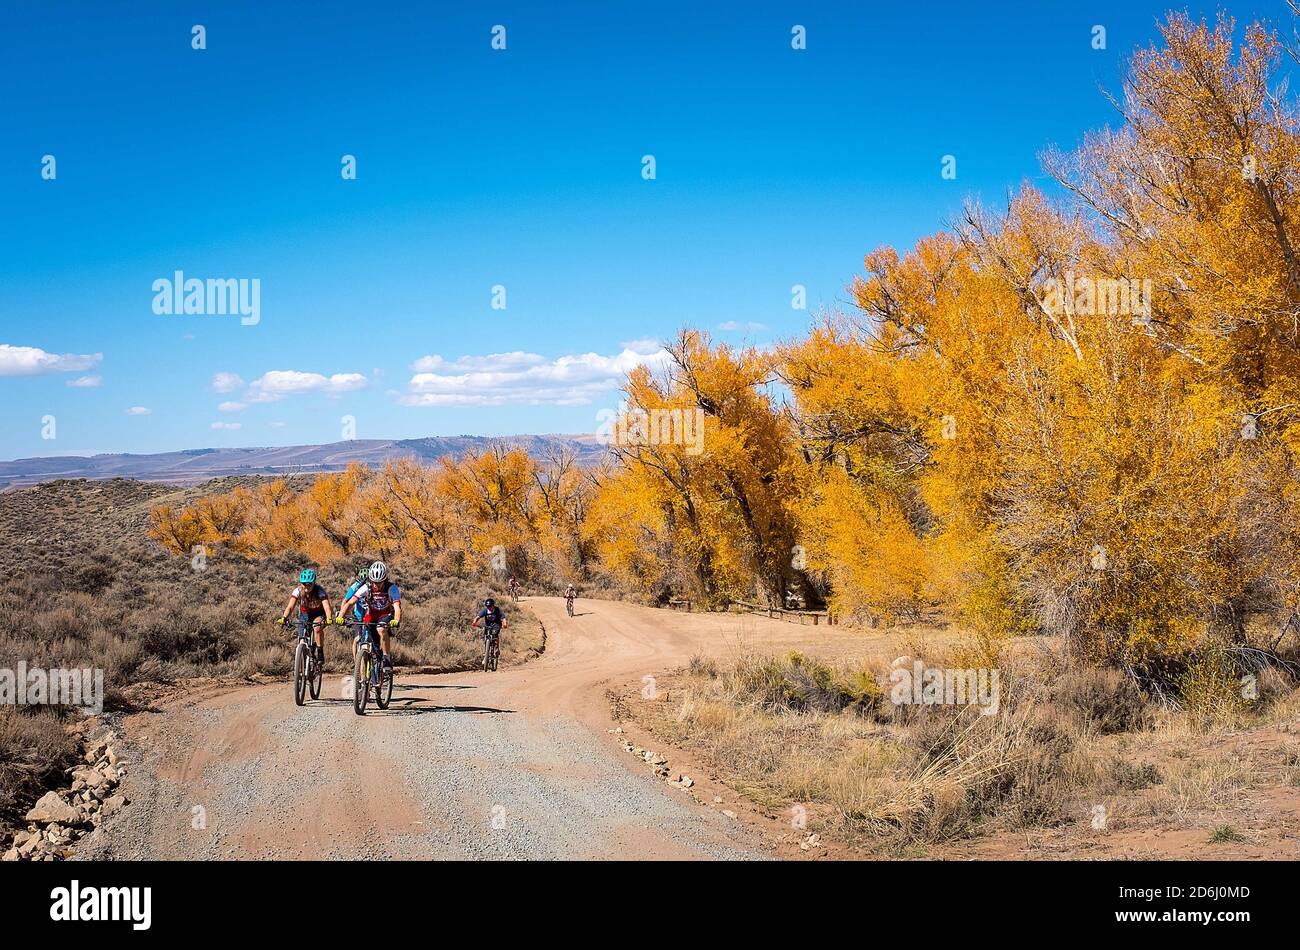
[[814, 617]]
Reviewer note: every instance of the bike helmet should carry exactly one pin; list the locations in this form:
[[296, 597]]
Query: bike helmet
[[308, 576], [363, 572], [378, 572], [489, 602]]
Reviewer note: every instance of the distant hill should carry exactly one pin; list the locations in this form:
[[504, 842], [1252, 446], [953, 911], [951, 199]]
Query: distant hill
[[192, 466]]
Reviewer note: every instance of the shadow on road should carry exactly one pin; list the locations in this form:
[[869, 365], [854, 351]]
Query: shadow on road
[[415, 707]]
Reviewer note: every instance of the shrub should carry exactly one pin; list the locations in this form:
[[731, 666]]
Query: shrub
[[801, 685], [1210, 689], [1135, 776], [1103, 700], [1014, 765], [33, 748], [1222, 834], [704, 666]]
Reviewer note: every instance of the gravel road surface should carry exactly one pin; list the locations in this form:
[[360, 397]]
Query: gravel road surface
[[513, 764]]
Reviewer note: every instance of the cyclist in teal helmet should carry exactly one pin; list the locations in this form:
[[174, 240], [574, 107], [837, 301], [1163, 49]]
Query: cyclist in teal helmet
[[313, 607]]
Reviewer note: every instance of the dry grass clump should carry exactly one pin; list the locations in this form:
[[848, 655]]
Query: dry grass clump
[[799, 684], [1221, 687], [33, 749], [1062, 738], [1104, 701], [795, 730], [1017, 766], [1195, 784]]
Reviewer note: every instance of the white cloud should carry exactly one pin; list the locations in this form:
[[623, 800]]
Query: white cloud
[[227, 425], [277, 425], [232, 407], [493, 361], [226, 382], [525, 378], [85, 382], [275, 385], [749, 326], [33, 361], [138, 411]]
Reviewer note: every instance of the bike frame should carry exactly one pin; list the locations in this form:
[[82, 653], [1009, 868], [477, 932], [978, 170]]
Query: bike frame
[[306, 633], [312, 669], [369, 635], [492, 633], [305, 629]]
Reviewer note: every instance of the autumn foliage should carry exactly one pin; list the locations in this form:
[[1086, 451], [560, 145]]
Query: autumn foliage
[[1079, 414], [499, 511]]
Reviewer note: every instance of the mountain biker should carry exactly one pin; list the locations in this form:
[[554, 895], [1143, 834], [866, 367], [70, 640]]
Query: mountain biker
[[514, 587], [570, 594], [313, 604], [381, 605], [491, 617]]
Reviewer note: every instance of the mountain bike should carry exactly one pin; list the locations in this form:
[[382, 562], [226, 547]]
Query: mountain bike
[[307, 673], [369, 674], [568, 605], [491, 648]]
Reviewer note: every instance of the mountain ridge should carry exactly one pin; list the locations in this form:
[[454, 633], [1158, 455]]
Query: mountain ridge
[[196, 465]]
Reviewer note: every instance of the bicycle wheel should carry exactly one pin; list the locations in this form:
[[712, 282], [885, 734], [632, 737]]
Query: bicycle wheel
[[318, 678], [568, 605], [496, 652], [384, 691], [487, 652], [299, 672], [360, 682]]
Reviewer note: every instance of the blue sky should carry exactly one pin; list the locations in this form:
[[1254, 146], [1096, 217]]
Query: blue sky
[[475, 168]]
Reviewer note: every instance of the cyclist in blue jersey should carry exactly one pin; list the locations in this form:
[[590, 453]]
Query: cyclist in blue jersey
[[492, 620], [363, 575]]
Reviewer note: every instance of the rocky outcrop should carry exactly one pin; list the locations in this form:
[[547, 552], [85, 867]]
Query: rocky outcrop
[[63, 815]]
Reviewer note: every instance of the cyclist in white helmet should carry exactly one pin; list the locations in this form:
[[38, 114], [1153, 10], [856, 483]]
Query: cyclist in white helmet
[[380, 604]]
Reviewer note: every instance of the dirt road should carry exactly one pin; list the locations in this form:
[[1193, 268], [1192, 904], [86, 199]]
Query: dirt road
[[514, 764]]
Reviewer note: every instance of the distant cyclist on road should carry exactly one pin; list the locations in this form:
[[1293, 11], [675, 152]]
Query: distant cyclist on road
[[491, 618], [381, 607], [570, 595], [313, 605], [514, 588]]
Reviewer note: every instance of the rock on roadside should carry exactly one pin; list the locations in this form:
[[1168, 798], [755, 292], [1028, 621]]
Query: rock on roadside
[[63, 815], [52, 808]]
